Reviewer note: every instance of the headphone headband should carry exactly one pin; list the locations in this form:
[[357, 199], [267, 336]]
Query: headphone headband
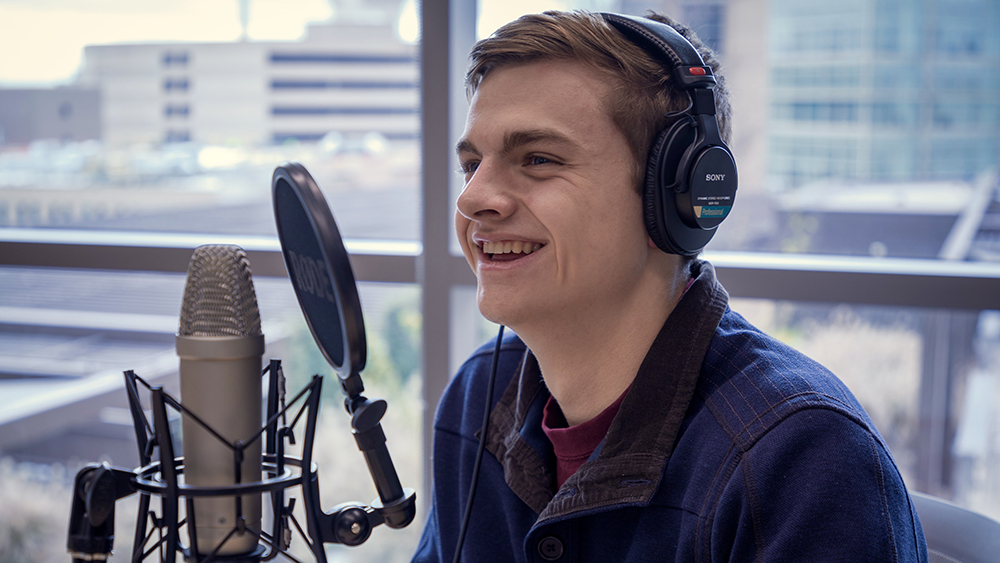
[[664, 42]]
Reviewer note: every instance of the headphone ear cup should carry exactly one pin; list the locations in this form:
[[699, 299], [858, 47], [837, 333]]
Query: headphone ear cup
[[658, 196], [652, 204]]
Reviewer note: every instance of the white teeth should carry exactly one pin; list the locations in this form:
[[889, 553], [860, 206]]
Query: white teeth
[[510, 247]]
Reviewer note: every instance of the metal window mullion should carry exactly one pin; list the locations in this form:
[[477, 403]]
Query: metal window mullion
[[433, 263], [932, 284], [368, 267]]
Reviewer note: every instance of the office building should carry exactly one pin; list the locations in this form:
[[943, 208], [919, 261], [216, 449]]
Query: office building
[[349, 79], [883, 90], [66, 114]]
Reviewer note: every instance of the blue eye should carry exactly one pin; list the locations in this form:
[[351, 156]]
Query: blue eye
[[538, 160]]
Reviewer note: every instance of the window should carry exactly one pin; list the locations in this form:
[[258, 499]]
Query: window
[[854, 174], [292, 84], [901, 76], [177, 136], [707, 21], [893, 160], [894, 114], [961, 30], [172, 175], [175, 84], [176, 110], [816, 77], [175, 58], [897, 28]]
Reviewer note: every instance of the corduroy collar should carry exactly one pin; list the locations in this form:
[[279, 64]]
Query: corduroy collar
[[642, 436]]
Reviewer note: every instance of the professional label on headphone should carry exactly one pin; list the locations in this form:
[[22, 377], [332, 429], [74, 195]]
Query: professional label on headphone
[[712, 211]]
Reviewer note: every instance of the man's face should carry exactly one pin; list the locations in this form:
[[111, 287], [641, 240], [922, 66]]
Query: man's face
[[549, 219]]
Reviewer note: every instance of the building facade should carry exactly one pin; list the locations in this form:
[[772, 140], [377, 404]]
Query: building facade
[[65, 114], [346, 80], [883, 90]]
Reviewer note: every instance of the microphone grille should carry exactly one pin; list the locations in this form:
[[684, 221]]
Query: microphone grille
[[219, 298]]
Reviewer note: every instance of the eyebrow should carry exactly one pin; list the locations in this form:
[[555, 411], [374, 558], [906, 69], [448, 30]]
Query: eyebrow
[[516, 139]]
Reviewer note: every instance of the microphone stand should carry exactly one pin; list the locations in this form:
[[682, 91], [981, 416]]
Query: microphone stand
[[98, 486]]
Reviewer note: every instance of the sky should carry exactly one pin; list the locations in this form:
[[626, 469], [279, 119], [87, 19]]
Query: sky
[[41, 41]]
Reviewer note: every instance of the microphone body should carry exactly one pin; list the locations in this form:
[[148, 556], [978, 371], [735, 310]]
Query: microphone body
[[221, 346]]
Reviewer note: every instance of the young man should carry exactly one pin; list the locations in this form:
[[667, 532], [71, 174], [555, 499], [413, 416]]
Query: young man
[[636, 418]]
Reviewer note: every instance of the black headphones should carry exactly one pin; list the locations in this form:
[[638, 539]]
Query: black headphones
[[690, 181]]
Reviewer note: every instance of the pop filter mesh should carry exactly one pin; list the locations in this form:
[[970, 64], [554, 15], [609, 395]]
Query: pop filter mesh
[[219, 299]]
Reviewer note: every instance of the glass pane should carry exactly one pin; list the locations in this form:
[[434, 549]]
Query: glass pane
[[66, 337], [864, 142], [878, 113], [936, 412], [146, 118], [869, 128], [171, 117]]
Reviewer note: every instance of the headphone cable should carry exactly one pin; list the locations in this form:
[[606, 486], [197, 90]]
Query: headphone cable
[[480, 450]]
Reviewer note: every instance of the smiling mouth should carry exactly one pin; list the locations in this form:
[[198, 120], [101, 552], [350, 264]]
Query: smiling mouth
[[509, 250]]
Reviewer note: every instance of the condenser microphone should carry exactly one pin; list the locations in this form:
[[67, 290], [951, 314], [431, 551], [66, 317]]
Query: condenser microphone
[[220, 345], [218, 480]]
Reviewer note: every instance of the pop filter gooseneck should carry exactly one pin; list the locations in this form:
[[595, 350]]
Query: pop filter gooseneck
[[321, 274]]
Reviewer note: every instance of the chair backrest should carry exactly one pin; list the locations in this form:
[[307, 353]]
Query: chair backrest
[[955, 534]]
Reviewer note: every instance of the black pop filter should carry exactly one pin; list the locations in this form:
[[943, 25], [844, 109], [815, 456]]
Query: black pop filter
[[320, 270], [321, 275]]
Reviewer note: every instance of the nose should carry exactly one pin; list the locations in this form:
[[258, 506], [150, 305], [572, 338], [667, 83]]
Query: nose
[[487, 194]]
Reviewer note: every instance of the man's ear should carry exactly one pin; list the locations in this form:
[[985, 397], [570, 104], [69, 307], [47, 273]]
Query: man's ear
[[650, 243]]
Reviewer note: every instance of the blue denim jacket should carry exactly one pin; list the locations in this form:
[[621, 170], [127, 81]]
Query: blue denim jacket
[[729, 446]]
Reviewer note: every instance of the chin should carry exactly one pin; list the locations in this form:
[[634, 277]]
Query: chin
[[494, 315], [501, 311]]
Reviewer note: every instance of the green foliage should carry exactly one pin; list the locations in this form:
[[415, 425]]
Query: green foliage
[[402, 334], [393, 354], [391, 373], [34, 516]]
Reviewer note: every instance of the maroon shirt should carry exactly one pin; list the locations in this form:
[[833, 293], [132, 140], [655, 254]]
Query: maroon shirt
[[573, 445]]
